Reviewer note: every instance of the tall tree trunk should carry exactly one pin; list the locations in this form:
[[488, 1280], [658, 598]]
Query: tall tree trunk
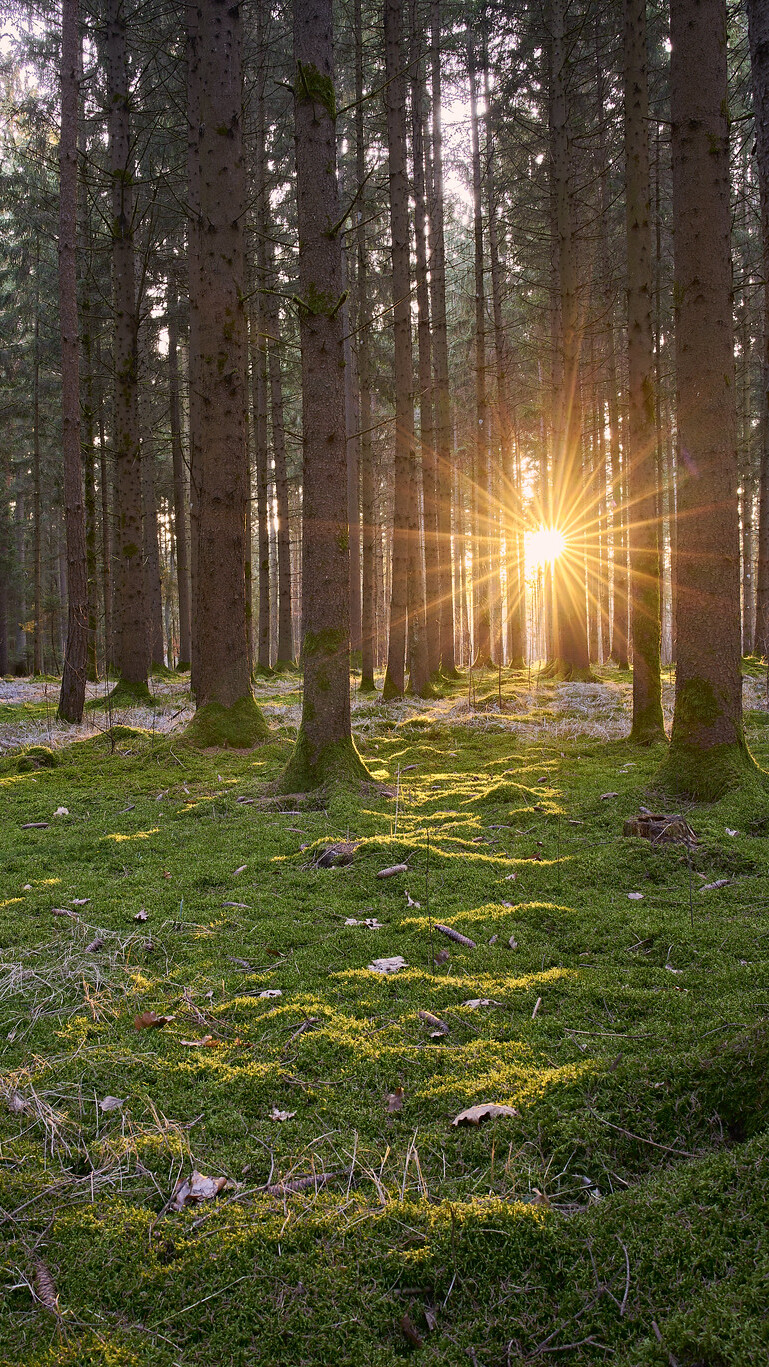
[[179, 477], [408, 593], [568, 568], [261, 461], [131, 656], [708, 752], [72, 696], [758, 33], [285, 647], [324, 750], [363, 324], [226, 712], [37, 504], [444, 452], [104, 480], [152, 590], [481, 469], [648, 725]]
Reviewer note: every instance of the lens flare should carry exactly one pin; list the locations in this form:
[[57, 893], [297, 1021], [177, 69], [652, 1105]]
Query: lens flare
[[543, 546]]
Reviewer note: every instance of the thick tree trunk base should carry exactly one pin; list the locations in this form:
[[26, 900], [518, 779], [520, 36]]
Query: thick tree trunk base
[[390, 690], [517, 662], [451, 674], [565, 672], [124, 694], [648, 727], [262, 672], [337, 765], [228, 728], [183, 667], [285, 667], [367, 684], [706, 775], [426, 691], [621, 661]]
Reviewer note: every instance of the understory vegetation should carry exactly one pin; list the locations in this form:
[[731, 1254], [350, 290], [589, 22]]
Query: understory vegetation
[[616, 998]]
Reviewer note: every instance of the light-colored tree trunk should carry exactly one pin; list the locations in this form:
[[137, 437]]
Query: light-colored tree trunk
[[481, 468], [648, 725], [72, 696], [181, 539], [708, 752], [758, 34], [226, 712]]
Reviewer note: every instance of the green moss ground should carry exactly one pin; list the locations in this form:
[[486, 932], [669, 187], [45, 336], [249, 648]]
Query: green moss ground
[[631, 1191]]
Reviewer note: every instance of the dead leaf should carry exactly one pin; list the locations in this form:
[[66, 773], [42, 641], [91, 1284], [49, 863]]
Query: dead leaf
[[431, 1318], [370, 922], [271, 992], [730, 832], [98, 943], [387, 965], [475, 1002], [391, 872], [439, 1027], [410, 902], [442, 957], [606, 796], [242, 905], [635, 896], [242, 869], [166, 874], [540, 1197], [141, 915], [719, 883], [487, 1110], [275, 1114], [513, 943], [510, 877], [16, 1103], [196, 1188], [64, 911], [395, 1101], [493, 939], [149, 1020], [62, 811], [199, 1043], [411, 1333], [111, 1103], [80, 901]]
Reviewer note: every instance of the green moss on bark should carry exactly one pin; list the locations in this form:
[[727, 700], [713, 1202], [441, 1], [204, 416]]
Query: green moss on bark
[[124, 694], [648, 726], [705, 775], [337, 765], [236, 728]]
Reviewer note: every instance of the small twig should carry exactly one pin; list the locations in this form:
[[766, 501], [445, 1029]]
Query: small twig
[[681, 1153], [623, 1306]]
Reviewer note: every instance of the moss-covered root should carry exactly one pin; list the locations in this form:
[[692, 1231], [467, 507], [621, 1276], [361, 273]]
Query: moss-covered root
[[124, 694], [648, 726], [706, 775], [337, 765], [237, 727]]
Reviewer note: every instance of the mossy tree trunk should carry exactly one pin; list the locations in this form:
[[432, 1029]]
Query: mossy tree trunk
[[324, 751], [758, 33], [648, 725], [707, 752], [226, 711], [72, 697]]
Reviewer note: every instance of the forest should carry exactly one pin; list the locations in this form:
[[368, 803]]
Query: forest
[[384, 682]]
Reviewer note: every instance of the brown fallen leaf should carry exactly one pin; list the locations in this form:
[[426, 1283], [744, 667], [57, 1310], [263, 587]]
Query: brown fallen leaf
[[80, 901], [410, 1332], [64, 911], [141, 915], [442, 957], [487, 1110], [195, 1043], [275, 1114], [431, 1316], [111, 1103], [540, 1197], [395, 1101], [149, 1020], [196, 1188], [16, 1103], [513, 943], [439, 1027]]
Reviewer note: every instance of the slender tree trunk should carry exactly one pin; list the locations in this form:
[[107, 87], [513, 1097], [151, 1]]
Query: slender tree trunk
[[407, 595], [481, 468], [324, 750], [444, 452], [648, 725], [131, 656], [179, 477], [104, 480], [285, 647], [758, 33], [261, 453], [152, 590], [363, 324], [37, 507], [72, 697], [226, 712], [708, 752]]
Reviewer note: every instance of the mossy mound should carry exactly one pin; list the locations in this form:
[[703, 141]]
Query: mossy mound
[[124, 694], [37, 757], [236, 728], [338, 766]]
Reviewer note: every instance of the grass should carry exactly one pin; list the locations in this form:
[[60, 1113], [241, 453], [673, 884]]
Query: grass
[[620, 1217]]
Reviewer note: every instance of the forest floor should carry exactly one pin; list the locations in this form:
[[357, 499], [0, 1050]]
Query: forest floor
[[616, 998]]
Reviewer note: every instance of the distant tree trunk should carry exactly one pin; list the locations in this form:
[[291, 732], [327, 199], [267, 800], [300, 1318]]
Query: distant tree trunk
[[152, 590], [424, 366], [708, 752], [226, 712], [285, 651], [131, 656], [568, 573], [261, 460], [324, 750], [407, 595], [648, 725], [481, 470], [363, 324], [194, 115], [443, 427], [179, 477], [758, 32], [37, 504], [72, 697], [106, 538], [88, 418]]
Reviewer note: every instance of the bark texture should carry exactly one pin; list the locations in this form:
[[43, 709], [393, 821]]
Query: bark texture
[[758, 34]]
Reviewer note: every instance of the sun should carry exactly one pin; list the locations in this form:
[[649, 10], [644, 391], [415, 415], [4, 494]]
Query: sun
[[543, 546]]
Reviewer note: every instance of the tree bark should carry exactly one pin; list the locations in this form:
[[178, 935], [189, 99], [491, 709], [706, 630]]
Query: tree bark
[[179, 477], [481, 469], [363, 324], [324, 750], [72, 697], [648, 725], [226, 712], [758, 34], [708, 752]]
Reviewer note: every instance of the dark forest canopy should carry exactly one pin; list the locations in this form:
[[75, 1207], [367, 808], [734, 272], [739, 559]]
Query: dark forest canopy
[[469, 298]]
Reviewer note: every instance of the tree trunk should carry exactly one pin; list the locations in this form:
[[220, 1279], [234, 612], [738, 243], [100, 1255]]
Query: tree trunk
[[648, 725], [324, 750], [226, 712], [481, 469], [363, 324], [285, 650], [444, 453], [72, 697], [152, 590], [407, 594], [708, 752], [131, 656], [179, 477], [758, 33]]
